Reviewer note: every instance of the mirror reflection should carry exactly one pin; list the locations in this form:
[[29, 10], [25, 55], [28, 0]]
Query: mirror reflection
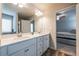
[[17, 18], [25, 24], [9, 15]]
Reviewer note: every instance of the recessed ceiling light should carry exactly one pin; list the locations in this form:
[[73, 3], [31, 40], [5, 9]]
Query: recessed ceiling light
[[21, 4]]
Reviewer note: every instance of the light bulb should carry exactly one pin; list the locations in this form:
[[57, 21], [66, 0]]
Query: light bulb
[[15, 3], [20, 5], [38, 12]]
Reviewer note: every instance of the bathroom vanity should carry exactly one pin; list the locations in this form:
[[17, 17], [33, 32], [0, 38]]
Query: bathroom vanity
[[34, 45], [18, 35]]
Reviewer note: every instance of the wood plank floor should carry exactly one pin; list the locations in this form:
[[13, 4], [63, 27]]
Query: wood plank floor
[[51, 52]]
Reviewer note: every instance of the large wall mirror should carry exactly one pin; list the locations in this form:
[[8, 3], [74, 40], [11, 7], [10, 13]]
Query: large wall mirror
[[9, 17], [17, 18]]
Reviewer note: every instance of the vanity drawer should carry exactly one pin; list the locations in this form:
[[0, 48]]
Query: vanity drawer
[[30, 51], [40, 39], [20, 45]]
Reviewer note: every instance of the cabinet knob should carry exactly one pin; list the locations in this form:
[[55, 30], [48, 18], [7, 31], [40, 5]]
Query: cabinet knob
[[26, 50]]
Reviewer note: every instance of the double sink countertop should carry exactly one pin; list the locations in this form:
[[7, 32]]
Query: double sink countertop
[[13, 38]]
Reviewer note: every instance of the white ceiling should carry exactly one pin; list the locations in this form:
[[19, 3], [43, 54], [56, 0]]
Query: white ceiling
[[24, 11], [28, 10]]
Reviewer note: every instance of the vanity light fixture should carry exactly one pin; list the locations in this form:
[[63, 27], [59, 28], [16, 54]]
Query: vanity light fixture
[[15, 3], [21, 4], [38, 12]]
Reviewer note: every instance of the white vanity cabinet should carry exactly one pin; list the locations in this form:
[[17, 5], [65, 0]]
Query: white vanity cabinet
[[23, 48], [42, 44], [13, 48], [35, 46]]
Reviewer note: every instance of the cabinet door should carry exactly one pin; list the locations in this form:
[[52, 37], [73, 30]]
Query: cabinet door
[[30, 51], [39, 50], [3, 51], [46, 42], [45, 45], [19, 53], [39, 46]]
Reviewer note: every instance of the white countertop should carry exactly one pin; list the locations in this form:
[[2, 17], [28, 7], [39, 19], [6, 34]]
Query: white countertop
[[13, 38]]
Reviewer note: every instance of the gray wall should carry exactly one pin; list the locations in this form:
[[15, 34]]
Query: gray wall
[[68, 23]]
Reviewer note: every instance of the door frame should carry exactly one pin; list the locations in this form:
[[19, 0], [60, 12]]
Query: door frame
[[65, 9]]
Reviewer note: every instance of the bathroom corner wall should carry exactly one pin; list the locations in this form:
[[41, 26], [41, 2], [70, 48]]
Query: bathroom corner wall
[[51, 22], [49, 12], [47, 25]]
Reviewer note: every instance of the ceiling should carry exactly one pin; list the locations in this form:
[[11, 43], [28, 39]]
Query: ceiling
[[28, 10], [52, 6], [22, 12]]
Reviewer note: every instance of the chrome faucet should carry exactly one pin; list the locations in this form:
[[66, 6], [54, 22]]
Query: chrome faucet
[[32, 33], [19, 35]]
